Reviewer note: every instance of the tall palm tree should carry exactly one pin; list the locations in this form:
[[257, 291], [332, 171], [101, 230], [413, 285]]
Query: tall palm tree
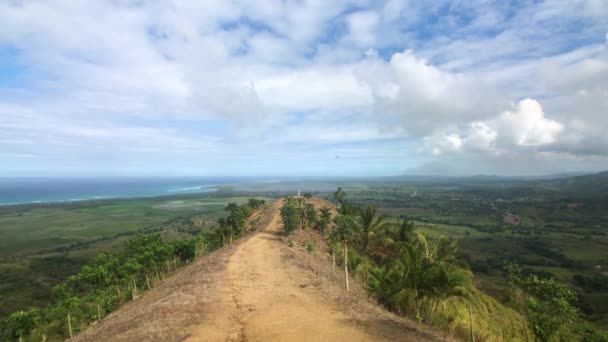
[[370, 224], [299, 201], [345, 228]]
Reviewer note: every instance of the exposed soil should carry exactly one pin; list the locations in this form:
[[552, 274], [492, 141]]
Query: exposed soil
[[258, 289]]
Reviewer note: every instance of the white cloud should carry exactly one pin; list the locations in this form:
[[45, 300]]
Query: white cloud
[[362, 26], [522, 128], [481, 137], [527, 125], [418, 96], [441, 143], [150, 76], [313, 88]]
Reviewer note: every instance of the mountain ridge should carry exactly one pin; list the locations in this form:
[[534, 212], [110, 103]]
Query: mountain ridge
[[255, 289]]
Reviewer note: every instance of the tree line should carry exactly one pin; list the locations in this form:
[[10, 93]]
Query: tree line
[[111, 280]]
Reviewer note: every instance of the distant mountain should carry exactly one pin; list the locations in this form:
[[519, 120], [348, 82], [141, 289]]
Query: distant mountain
[[600, 178], [442, 178], [589, 184], [560, 184], [490, 178], [566, 174]]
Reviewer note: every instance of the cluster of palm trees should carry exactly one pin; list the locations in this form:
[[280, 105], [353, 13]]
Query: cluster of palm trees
[[404, 269]]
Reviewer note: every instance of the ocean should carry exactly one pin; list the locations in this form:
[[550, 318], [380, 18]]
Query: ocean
[[44, 190]]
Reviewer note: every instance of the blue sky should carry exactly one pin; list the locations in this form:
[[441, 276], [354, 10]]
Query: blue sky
[[283, 87]]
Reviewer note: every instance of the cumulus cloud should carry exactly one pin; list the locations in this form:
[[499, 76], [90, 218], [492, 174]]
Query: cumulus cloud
[[527, 125], [415, 96], [135, 81], [481, 137], [440, 143], [524, 127]]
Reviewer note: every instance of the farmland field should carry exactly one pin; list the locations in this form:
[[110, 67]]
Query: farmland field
[[40, 247]]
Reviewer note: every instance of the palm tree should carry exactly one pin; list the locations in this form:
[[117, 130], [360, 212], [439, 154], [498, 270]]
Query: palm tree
[[324, 219], [401, 233], [421, 277], [370, 223], [443, 277], [345, 228], [363, 269], [299, 201], [325, 212], [406, 232], [391, 240]]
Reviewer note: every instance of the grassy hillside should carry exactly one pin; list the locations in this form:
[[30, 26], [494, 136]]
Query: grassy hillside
[[492, 321], [41, 247], [563, 229]]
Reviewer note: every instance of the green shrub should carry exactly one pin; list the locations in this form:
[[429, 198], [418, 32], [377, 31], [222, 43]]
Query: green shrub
[[309, 247]]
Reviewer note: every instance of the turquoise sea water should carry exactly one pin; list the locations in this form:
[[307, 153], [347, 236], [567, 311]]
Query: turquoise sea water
[[42, 190]]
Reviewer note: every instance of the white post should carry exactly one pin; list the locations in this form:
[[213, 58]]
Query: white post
[[346, 265]]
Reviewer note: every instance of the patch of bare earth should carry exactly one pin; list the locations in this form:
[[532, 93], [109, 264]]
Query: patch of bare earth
[[258, 289]]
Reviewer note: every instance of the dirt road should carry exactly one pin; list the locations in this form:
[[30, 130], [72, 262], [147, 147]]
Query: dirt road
[[258, 295]]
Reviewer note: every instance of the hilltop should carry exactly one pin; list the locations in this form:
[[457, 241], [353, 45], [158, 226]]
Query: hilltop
[[259, 288]]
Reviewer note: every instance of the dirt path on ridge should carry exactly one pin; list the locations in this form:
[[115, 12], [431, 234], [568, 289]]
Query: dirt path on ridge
[[269, 304], [249, 292]]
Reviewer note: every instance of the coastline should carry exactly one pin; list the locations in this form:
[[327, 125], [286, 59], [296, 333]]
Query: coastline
[[110, 198]]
